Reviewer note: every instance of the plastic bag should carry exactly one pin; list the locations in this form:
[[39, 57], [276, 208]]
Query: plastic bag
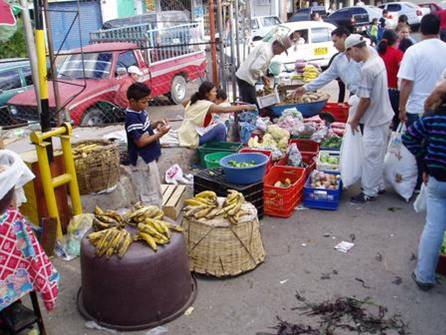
[[174, 175], [351, 157], [400, 167], [263, 123], [71, 246], [246, 130], [294, 156], [420, 202], [320, 135]]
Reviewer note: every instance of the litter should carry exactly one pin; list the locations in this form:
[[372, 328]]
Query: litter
[[94, 325], [283, 281], [344, 246], [189, 311], [160, 330]]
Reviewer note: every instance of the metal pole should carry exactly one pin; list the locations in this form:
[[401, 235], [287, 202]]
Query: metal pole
[[237, 37], [49, 38], [213, 45], [231, 20], [222, 44], [31, 48]]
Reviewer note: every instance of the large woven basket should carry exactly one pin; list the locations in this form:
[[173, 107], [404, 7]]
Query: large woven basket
[[98, 169], [219, 248]]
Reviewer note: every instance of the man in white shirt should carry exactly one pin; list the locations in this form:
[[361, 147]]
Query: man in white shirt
[[420, 70], [374, 112], [255, 67], [341, 67]]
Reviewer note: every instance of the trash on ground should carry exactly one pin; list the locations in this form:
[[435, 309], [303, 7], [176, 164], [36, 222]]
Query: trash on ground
[[283, 281], [379, 257], [353, 237], [344, 315], [362, 282], [189, 311], [94, 325], [160, 330], [344, 246]]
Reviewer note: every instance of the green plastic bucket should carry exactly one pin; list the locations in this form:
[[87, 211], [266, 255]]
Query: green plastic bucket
[[212, 161]]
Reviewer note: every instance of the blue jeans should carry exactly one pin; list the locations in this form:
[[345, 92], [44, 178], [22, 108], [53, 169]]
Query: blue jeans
[[412, 118], [432, 236], [218, 133]]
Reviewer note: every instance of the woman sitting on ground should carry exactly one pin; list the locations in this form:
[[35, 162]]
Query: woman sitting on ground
[[197, 127]]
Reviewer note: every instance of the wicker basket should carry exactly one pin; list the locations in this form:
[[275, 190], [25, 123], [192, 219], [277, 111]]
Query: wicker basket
[[98, 169], [221, 249]]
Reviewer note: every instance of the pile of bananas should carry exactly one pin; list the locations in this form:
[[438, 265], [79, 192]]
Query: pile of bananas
[[82, 150], [205, 205], [310, 73], [111, 241], [110, 236]]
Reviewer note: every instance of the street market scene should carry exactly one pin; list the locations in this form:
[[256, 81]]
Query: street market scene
[[222, 167]]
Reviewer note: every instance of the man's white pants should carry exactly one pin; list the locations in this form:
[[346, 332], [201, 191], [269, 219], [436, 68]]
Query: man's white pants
[[147, 182], [375, 141]]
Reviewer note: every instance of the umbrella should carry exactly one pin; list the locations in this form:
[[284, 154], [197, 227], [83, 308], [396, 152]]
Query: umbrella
[[7, 17]]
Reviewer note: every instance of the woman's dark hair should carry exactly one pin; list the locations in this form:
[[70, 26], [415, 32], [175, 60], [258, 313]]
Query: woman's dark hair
[[388, 39], [403, 19], [405, 44], [138, 91], [221, 94], [203, 92], [6, 200]]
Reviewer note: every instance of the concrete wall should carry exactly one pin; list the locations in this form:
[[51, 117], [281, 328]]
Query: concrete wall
[[109, 10]]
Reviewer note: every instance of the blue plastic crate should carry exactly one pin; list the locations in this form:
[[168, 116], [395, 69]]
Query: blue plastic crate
[[320, 198]]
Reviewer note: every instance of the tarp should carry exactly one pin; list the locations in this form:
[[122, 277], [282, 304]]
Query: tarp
[[7, 17]]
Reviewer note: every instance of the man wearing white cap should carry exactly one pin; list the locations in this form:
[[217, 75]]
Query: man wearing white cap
[[256, 65], [134, 73], [374, 113]]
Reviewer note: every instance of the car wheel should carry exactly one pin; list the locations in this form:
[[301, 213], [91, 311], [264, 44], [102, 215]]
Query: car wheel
[[93, 117], [178, 90]]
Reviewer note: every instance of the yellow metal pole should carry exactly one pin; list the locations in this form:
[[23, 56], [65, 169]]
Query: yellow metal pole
[[71, 170], [47, 185]]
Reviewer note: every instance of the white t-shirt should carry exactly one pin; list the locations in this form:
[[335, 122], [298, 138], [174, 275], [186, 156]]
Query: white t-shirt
[[256, 64], [423, 63], [373, 85]]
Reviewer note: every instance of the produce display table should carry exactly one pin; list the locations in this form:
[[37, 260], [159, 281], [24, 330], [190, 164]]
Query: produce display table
[[142, 290]]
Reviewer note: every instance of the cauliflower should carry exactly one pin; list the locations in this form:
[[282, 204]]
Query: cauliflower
[[278, 133]]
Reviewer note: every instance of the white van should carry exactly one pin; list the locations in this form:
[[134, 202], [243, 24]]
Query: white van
[[314, 45]]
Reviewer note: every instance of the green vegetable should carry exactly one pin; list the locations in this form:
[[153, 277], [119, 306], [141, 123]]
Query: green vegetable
[[242, 164]]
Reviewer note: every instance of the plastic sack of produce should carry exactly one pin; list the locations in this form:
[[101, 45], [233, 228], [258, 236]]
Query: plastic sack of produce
[[246, 129], [419, 204], [294, 156], [319, 135], [400, 166], [351, 157], [250, 117], [263, 123]]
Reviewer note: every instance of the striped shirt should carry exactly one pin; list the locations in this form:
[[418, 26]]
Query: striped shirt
[[426, 138], [136, 125]]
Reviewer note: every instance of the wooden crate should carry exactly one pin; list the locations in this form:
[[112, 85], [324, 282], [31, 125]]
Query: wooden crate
[[173, 199]]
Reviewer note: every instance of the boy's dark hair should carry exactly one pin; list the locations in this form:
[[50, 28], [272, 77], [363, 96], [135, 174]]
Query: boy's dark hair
[[405, 44], [385, 11], [221, 94], [403, 19], [389, 38], [430, 25], [138, 91], [375, 20], [341, 31]]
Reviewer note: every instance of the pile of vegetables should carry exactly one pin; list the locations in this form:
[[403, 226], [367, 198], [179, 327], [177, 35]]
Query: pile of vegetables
[[333, 142], [275, 139], [241, 165], [325, 157], [325, 181], [306, 98], [284, 184]]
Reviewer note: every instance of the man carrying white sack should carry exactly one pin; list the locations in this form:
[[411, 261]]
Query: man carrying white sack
[[374, 112]]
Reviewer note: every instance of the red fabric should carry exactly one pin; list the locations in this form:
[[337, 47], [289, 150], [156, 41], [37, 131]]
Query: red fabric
[[207, 120], [392, 58], [21, 253], [121, 96], [6, 15], [442, 15]]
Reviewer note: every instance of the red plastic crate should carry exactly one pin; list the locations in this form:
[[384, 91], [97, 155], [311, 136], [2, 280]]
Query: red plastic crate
[[279, 201], [308, 157], [338, 110], [265, 152], [305, 145]]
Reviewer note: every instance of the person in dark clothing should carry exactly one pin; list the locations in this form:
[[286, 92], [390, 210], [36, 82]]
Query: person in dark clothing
[[425, 139], [405, 44]]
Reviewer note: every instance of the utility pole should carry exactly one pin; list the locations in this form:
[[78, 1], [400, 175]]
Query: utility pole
[[237, 31], [222, 44], [31, 48], [213, 45]]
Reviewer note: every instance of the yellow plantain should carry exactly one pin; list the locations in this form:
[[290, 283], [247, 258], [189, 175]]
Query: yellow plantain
[[237, 207], [125, 244], [139, 212], [149, 239], [98, 211], [194, 202], [164, 227], [145, 228], [202, 213], [174, 227]]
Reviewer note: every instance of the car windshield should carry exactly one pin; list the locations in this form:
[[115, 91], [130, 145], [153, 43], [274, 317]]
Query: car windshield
[[270, 21], [275, 32], [96, 66]]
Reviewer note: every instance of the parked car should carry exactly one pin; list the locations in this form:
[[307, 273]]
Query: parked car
[[89, 91], [261, 25], [432, 6], [304, 14], [355, 19], [315, 43], [377, 13], [413, 12], [15, 78]]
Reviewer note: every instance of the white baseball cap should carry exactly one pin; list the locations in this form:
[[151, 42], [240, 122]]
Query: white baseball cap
[[354, 40], [134, 70]]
